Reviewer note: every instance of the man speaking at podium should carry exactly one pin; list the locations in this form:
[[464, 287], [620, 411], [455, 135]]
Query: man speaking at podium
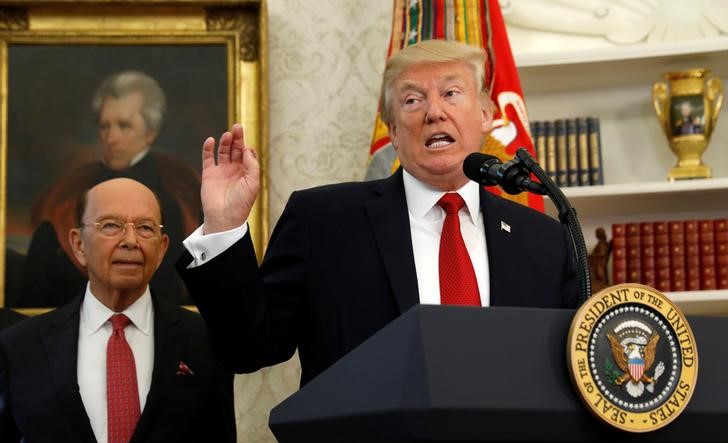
[[345, 260]]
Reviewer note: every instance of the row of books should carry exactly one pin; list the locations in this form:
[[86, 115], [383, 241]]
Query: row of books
[[686, 255], [569, 150]]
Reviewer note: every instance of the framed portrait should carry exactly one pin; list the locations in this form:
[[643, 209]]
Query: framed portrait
[[687, 114], [189, 69]]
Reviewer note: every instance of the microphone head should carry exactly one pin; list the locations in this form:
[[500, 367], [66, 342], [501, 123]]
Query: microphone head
[[475, 167]]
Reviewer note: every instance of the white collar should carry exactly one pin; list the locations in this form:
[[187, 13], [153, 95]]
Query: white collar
[[95, 313], [421, 197]]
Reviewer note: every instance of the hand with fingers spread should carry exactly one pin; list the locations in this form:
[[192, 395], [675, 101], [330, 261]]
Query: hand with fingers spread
[[230, 185]]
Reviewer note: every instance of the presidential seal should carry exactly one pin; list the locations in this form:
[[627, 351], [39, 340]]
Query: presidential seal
[[632, 357]]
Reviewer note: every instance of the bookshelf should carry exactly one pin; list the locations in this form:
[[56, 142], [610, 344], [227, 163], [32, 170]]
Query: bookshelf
[[615, 85], [617, 66], [619, 92], [647, 199], [713, 303]]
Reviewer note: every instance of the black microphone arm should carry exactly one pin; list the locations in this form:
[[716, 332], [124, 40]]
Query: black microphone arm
[[514, 177]]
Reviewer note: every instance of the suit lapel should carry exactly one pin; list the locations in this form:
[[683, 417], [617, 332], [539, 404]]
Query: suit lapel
[[169, 338], [499, 243], [60, 339], [390, 223]]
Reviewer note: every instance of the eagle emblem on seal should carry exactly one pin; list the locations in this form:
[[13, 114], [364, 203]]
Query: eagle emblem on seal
[[633, 345]]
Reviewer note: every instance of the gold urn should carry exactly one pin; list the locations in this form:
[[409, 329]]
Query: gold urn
[[687, 104]]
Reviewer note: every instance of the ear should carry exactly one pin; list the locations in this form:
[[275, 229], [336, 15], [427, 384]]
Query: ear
[[150, 137], [76, 241], [163, 246], [486, 116], [392, 128]]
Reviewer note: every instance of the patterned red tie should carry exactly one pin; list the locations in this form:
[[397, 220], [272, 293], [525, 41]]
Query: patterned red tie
[[121, 384], [458, 285]]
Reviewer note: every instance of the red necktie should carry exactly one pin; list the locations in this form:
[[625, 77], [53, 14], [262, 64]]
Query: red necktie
[[458, 285], [121, 384]]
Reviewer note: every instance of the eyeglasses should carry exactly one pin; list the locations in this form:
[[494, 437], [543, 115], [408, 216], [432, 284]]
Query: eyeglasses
[[112, 228]]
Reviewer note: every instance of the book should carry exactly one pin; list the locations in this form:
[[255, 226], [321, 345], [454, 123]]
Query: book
[[548, 128], [662, 257], [619, 254], [647, 245], [634, 253], [706, 241], [583, 144], [677, 254], [720, 229], [572, 152], [595, 151], [692, 256], [539, 143], [563, 172]]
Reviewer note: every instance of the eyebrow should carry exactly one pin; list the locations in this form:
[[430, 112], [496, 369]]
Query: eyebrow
[[123, 219], [408, 85]]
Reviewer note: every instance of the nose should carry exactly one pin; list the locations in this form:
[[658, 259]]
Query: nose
[[434, 111], [110, 134], [129, 239]]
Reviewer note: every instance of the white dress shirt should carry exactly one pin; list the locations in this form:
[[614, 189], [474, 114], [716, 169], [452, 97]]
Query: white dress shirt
[[426, 219], [93, 336]]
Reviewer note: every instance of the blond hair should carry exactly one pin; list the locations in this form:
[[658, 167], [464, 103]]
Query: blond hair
[[432, 51]]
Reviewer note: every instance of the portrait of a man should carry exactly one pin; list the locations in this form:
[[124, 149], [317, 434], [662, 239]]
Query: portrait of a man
[[136, 123], [687, 115]]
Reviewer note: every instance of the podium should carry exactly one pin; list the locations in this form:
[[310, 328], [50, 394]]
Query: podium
[[462, 374]]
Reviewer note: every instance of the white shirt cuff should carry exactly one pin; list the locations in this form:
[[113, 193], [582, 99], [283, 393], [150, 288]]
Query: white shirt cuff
[[205, 247]]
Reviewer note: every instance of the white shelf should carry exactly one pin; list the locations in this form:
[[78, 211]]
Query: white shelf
[[619, 53], [648, 198], [702, 302], [618, 67]]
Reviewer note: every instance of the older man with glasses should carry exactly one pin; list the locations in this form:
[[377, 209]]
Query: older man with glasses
[[118, 363]]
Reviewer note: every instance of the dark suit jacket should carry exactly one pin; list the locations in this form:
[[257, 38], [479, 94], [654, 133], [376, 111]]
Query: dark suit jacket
[[340, 266], [40, 400], [8, 317]]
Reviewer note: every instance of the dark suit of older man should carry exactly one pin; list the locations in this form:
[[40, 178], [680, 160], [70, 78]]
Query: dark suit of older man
[[39, 393], [8, 317]]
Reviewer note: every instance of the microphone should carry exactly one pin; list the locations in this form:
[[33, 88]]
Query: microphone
[[511, 176]]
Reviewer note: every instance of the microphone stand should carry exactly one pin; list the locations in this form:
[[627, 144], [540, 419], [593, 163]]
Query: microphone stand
[[567, 216]]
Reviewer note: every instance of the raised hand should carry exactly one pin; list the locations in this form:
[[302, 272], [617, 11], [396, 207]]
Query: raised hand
[[230, 186]]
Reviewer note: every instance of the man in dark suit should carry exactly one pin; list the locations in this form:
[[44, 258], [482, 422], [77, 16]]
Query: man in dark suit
[[345, 260], [117, 364]]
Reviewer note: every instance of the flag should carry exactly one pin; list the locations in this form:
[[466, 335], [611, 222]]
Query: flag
[[478, 23]]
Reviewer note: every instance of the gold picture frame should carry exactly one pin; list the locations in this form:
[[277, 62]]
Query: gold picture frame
[[206, 56]]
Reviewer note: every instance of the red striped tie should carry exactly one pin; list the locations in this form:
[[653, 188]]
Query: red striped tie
[[121, 384], [458, 285]]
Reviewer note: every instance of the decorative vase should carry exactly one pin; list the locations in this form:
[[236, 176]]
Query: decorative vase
[[687, 104]]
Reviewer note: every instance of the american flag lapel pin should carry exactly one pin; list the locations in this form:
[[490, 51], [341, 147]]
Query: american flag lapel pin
[[505, 227]]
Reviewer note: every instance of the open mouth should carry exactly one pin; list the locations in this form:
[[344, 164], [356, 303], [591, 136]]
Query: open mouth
[[439, 140]]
